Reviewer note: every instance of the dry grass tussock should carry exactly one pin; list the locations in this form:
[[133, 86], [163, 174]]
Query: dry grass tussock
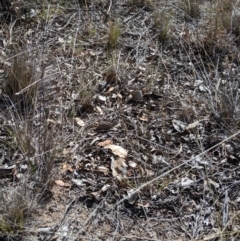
[[119, 120]]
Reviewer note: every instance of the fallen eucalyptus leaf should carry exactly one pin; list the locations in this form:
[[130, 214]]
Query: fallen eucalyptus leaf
[[179, 126], [119, 167], [192, 125], [132, 196], [117, 150], [104, 143], [99, 110], [132, 164], [103, 169], [79, 121], [61, 183]]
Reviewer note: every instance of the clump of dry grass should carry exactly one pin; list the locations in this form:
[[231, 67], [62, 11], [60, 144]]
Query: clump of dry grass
[[191, 9], [162, 25], [225, 104], [34, 143], [219, 34], [220, 28], [20, 76], [114, 33], [44, 161], [16, 207]]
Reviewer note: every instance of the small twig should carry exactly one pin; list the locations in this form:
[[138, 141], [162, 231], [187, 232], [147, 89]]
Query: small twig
[[133, 16], [66, 211], [68, 22], [225, 210], [161, 146], [29, 86], [110, 7], [89, 218], [10, 31]]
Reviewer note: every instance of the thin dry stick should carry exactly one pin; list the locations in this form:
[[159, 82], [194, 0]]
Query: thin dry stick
[[89, 218], [110, 7], [26, 88], [35, 82]]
